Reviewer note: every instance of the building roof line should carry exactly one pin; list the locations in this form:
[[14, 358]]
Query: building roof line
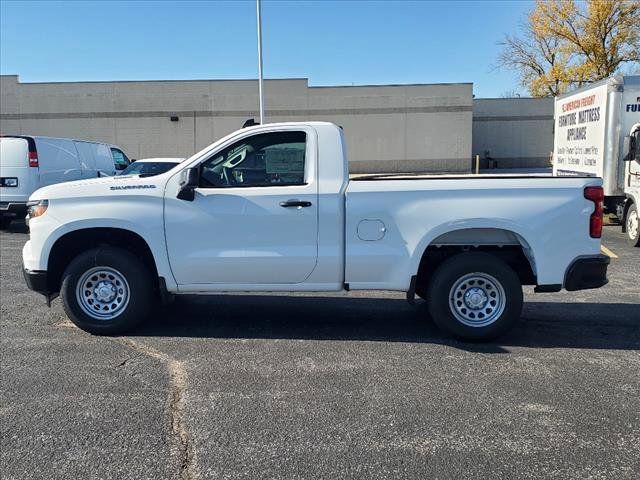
[[279, 79], [392, 85], [158, 80]]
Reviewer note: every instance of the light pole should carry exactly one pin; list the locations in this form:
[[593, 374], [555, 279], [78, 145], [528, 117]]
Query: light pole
[[260, 97]]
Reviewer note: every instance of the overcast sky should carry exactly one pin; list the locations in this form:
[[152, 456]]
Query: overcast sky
[[329, 42]]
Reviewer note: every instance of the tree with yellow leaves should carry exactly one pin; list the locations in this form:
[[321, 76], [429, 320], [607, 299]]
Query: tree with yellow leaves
[[567, 44]]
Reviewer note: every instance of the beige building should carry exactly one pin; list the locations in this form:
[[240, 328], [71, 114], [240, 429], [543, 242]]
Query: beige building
[[395, 128], [516, 132]]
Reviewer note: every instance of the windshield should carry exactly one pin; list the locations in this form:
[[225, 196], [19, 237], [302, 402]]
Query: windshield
[[148, 169]]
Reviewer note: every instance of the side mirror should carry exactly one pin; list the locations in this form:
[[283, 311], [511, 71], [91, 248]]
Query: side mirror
[[189, 179]]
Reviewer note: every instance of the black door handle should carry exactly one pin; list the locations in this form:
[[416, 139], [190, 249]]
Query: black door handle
[[295, 203]]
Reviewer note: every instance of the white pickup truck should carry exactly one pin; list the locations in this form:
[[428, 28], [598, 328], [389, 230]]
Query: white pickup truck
[[272, 208]]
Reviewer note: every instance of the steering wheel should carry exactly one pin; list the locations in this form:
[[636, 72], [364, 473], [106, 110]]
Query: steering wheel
[[227, 176]]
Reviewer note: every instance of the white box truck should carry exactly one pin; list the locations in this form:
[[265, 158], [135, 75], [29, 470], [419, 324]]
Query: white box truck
[[597, 134]]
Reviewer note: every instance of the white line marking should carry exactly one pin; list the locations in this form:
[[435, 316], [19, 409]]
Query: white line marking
[[608, 252]]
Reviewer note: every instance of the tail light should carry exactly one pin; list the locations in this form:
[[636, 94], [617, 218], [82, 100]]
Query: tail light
[[33, 158], [596, 195]]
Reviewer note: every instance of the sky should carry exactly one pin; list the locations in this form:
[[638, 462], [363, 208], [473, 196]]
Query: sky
[[339, 42]]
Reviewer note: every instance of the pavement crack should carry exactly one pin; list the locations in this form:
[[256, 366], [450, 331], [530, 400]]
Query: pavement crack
[[124, 362], [187, 465], [177, 401]]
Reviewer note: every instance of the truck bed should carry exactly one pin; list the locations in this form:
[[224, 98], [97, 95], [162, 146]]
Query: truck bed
[[547, 216]]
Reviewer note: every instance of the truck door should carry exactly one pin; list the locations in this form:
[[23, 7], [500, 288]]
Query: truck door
[[632, 183], [254, 218]]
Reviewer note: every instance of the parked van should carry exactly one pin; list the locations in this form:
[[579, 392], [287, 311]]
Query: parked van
[[28, 163]]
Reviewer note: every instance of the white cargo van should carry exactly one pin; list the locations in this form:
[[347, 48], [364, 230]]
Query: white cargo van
[[597, 133], [28, 163]]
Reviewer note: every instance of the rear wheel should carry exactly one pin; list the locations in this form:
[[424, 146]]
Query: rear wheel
[[475, 296], [632, 225], [106, 291]]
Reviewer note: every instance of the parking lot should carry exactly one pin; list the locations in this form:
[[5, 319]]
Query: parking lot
[[345, 386]]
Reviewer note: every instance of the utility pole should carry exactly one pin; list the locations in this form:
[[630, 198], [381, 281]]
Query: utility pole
[[260, 94]]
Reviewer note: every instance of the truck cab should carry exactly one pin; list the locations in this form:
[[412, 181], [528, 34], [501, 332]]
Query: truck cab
[[629, 210]]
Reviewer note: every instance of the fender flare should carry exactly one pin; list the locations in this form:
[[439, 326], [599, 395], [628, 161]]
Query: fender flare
[[522, 233], [158, 250]]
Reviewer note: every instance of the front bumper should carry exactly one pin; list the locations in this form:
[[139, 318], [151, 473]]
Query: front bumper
[[37, 281], [13, 209], [587, 272]]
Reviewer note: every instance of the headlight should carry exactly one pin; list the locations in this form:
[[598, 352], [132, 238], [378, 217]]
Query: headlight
[[37, 208]]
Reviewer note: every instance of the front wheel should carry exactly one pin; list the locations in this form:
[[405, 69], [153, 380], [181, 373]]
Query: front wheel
[[106, 291], [475, 296], [632, 225]]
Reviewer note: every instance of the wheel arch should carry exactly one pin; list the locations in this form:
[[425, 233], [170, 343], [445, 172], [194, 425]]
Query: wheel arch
[[72, 243], [505, 243]]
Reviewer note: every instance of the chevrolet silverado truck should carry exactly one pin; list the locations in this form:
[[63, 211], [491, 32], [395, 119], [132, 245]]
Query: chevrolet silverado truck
[[272, 208]]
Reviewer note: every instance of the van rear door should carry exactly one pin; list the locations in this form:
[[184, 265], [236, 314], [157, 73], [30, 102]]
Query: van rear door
[[18, 180]]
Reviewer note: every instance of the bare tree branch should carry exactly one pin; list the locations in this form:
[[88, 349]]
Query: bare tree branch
[[566, 43]]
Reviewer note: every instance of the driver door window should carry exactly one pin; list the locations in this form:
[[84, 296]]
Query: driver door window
[[120, 160], [268, 159]]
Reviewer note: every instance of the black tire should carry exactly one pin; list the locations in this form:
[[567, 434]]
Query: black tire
[[128, 266], [5, 222], [631, 217], [450, 274]]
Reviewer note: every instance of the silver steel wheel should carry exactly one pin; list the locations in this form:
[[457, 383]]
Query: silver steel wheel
[[102, 293], [477, 299], [633, 225]]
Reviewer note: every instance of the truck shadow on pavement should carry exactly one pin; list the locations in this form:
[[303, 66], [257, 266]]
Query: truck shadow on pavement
[[17, 226], [543, 324]]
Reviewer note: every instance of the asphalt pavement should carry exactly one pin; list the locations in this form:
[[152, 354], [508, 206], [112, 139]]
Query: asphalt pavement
[[358, 385]]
